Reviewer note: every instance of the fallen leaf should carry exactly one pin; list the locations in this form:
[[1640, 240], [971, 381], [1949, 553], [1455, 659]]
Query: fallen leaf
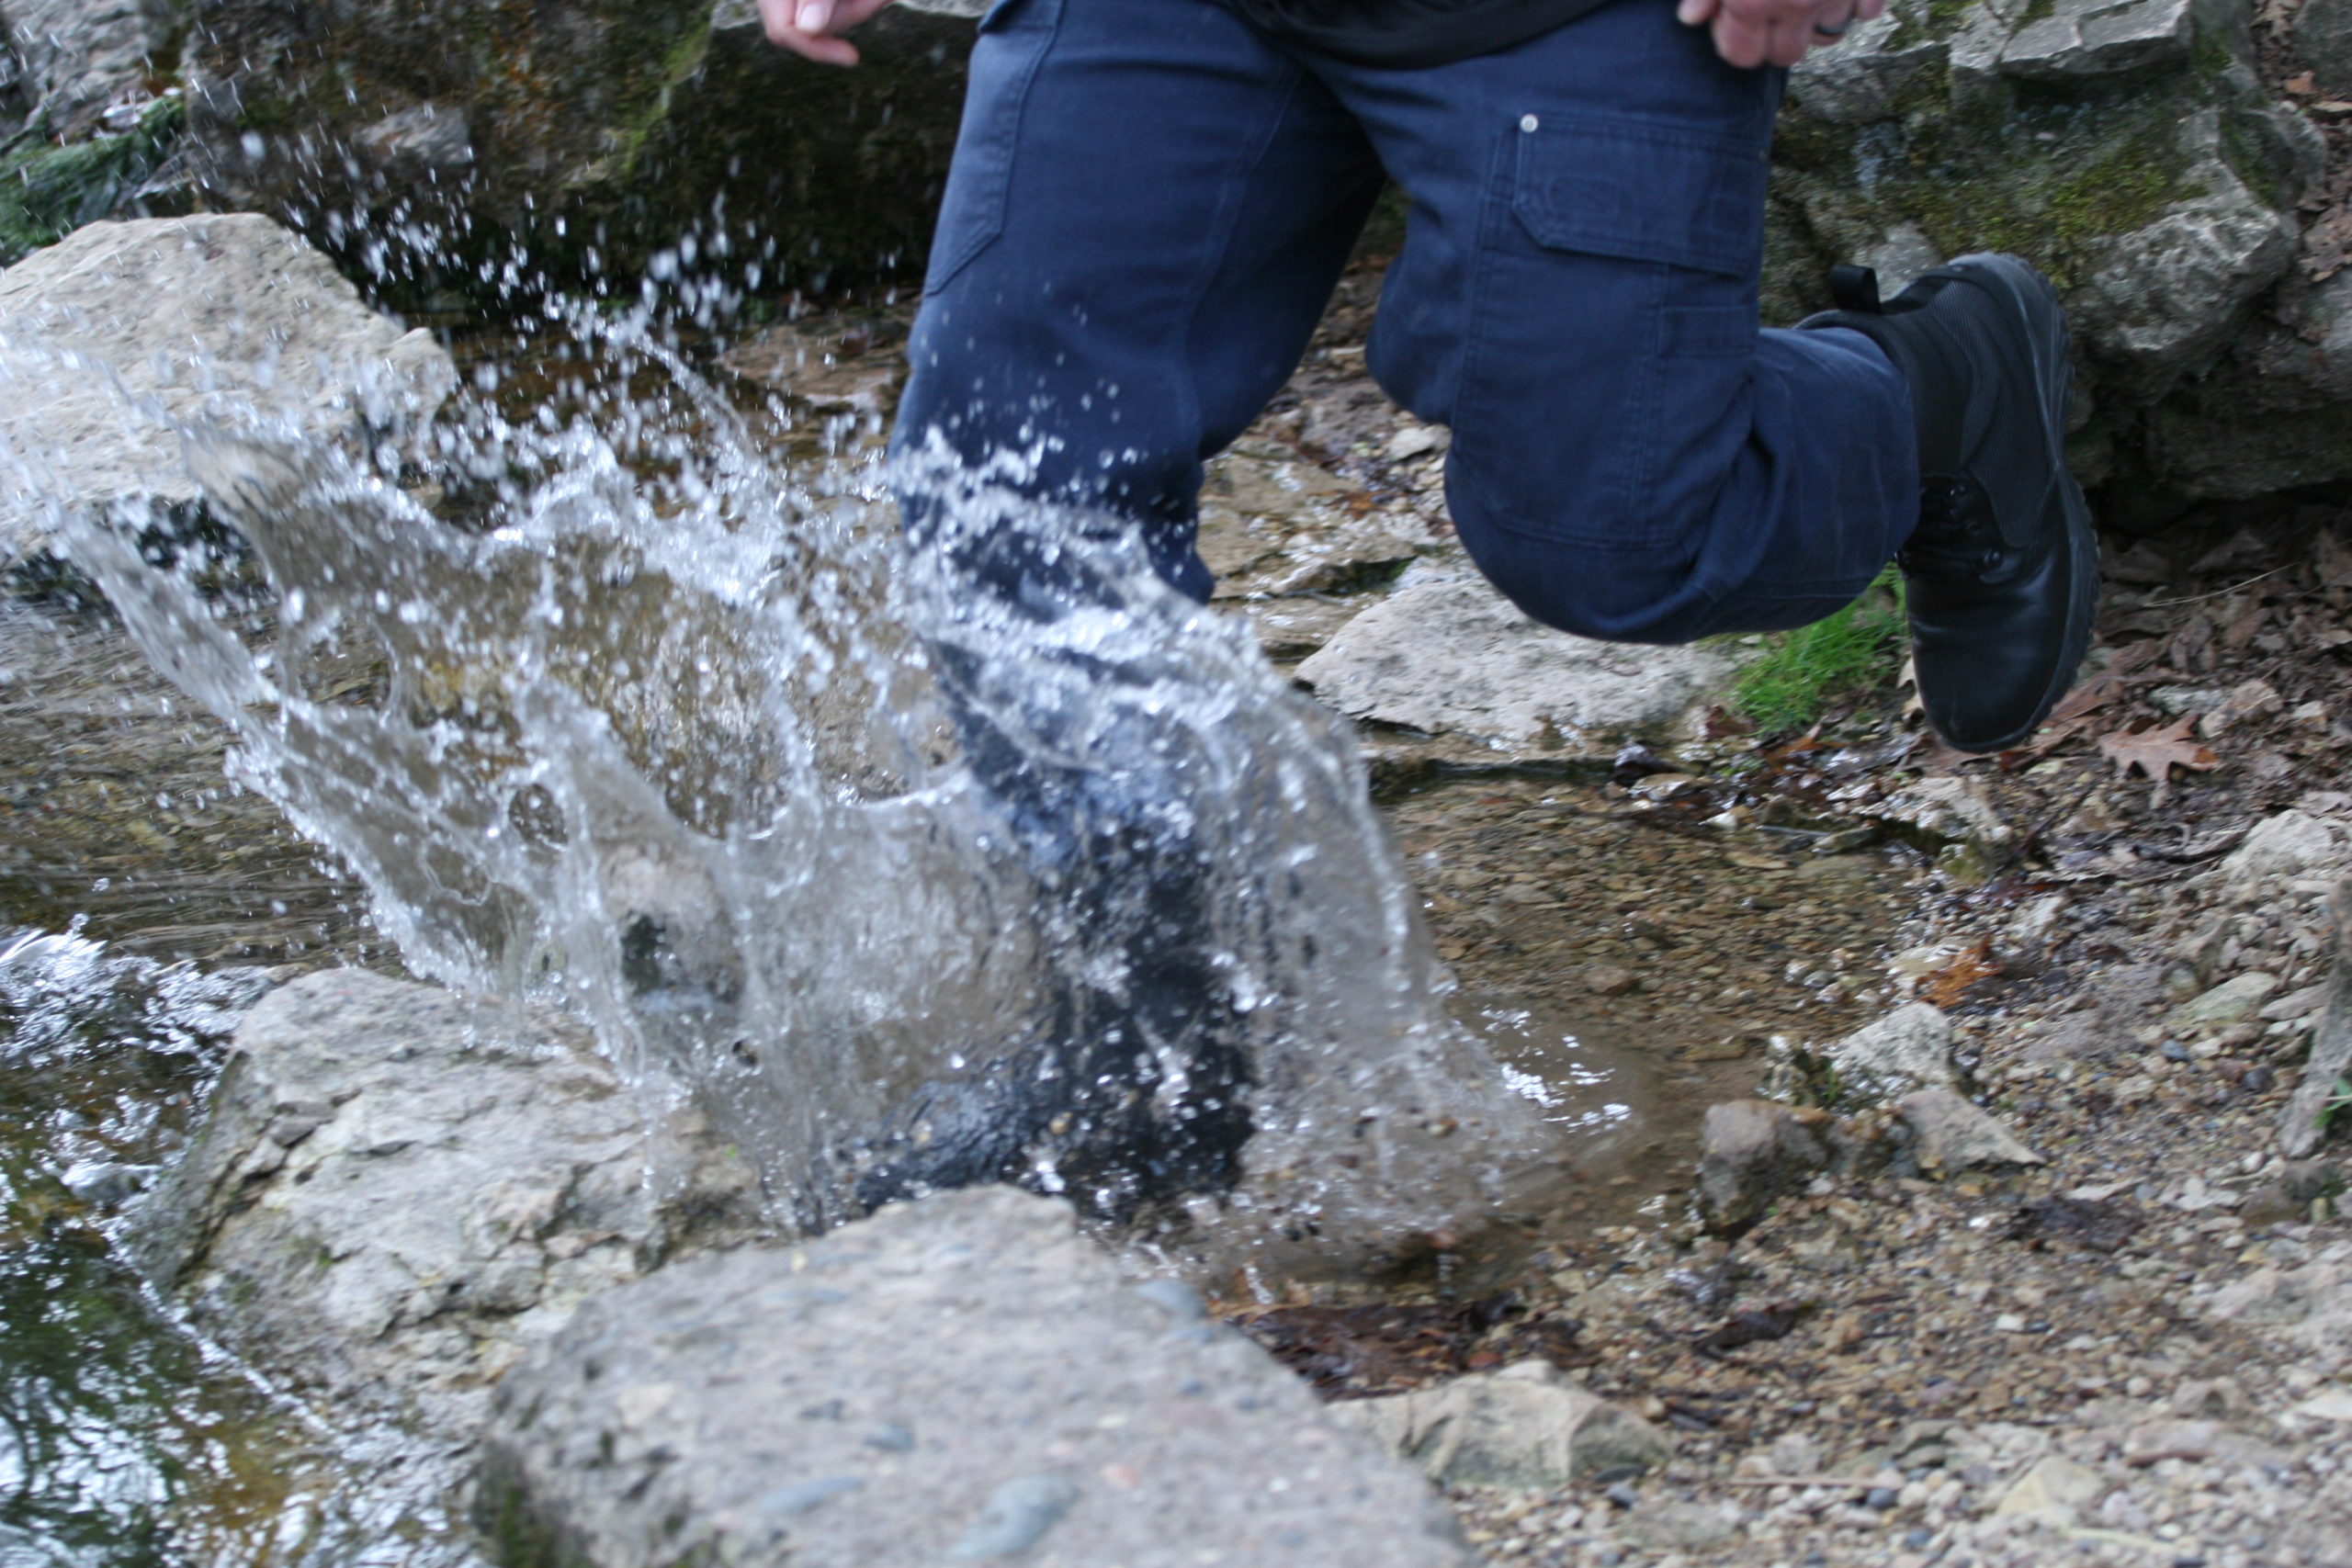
[[2088, 697], [2156, 750], [1945, 987], [2300, 84]]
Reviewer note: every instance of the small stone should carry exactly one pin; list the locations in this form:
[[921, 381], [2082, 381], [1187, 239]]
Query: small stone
[[1908, 1049], [2233, 1001], [1525, 1426], [1017, 1517], [1881, 1497], [1610, 979], [2335, 1404], [1948, 1134], [2055, 1490], [1753, 1151]]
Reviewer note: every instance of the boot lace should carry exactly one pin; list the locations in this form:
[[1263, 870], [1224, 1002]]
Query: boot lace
[[1956, 536]]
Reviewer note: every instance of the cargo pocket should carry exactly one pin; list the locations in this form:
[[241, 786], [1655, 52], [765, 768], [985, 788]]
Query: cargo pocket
[[1612, 330], [1013, 38]]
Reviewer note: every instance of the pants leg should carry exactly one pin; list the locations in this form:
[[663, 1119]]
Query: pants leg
[[1148, 207], [1577, 296]]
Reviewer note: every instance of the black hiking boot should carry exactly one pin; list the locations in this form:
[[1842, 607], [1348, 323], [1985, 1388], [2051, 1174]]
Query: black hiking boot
[[2002, 572]]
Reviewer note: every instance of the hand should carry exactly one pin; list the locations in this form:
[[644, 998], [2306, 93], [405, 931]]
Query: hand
[[1756, 32], [812, 28]]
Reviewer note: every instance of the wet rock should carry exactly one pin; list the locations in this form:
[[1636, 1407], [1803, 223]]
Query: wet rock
[[1910, 1048], [2056, 1491], [112, 339], [1525, 1426], [1754, 1151], [1954, 813], [1945, 1133], [1273, 524], [1457, 657], [2233, 1001], [723, 1411], [399, 1188], [592, 134], [2129, 149]]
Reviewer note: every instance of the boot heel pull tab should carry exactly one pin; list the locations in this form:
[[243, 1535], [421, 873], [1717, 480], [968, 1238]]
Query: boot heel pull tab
[[1855, 289]]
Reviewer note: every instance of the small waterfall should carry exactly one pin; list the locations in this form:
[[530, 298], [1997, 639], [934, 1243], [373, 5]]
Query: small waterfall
[[989, 858]]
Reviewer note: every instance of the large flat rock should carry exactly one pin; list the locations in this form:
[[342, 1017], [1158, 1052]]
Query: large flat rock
[[398, 1188], [117, 337], [965, 1379], [1457, 658]]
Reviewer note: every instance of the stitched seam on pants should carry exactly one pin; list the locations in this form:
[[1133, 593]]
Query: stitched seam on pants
[[1001, 199], [1229, 223]]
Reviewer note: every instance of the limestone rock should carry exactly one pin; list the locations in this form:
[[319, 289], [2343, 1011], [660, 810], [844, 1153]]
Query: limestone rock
[[1456, 657], [1525, 1426], [2081, 39], [965, 1378], [1908, 1049], [2309, 1305], [1753, 1151], [1945, 1133], [2291, 844], [2133, 152], [398, 1188], [2057, 1491], [1949, 810], [77, 55], [2233, 1001], [115, 338]]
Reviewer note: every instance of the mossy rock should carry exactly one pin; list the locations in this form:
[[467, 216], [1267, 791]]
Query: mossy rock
[[2129, 151], [430, 142], [46, 192]]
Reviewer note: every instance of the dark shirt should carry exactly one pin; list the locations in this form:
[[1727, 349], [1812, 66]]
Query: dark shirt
[[1410, 32]]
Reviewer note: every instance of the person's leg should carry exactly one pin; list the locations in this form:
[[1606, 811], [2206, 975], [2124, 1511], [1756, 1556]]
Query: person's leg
[[1577, 296], [1149, 209]]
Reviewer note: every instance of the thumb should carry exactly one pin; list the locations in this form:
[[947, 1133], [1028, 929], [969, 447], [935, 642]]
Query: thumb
[[814, 16]]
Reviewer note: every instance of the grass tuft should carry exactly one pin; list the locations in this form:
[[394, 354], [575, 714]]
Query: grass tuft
[[1802, 672]]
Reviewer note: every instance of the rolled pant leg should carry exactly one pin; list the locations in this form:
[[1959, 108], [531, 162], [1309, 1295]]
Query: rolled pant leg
[[1577, 297]]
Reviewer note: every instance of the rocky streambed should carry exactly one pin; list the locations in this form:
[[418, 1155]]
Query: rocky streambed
[[1955, 1181]]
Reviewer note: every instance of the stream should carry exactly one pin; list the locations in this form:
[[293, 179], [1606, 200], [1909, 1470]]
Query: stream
[[630, 741]]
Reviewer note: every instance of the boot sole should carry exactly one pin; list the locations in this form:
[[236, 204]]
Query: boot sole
[[2049, 369]]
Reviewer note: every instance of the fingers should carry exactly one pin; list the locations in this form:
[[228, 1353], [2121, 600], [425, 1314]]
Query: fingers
[[1750, 33], [808, 28]]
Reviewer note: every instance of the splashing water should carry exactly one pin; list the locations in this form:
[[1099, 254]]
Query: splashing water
[[988, 859]]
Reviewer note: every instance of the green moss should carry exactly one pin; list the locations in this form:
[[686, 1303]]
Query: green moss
[[46, 192], [1800, 673], [2052, 213], [680, 61], [2036, 11]]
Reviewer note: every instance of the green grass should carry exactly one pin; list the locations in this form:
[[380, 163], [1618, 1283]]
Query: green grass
[[1800, 673]]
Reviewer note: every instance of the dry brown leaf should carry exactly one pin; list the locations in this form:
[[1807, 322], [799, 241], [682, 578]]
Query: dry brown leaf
[[2301, 85], [2088, 697], [1945, 987], [2157, 750]]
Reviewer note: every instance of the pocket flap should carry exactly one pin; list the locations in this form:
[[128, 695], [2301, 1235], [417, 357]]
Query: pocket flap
[[1642, 192]]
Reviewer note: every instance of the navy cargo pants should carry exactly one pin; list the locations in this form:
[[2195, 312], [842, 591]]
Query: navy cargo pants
[[1151, 201]]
